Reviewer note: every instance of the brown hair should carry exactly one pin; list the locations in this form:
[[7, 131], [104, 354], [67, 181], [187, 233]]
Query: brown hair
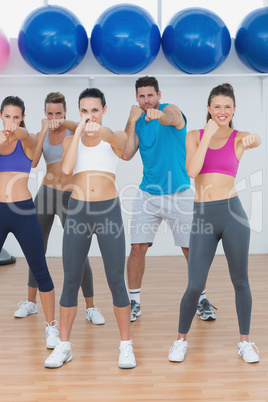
[[92, 93], [14, 101], [147, 82], [225, 90], [55, 97]]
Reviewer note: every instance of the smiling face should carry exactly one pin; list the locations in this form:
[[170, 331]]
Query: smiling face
[[12, 114], [92, 107], [55, 111], [148, 98], [221, 109]]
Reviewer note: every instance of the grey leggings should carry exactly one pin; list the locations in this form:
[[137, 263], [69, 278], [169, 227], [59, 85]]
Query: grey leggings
[[50, 202], [215, 220], [84, 219]]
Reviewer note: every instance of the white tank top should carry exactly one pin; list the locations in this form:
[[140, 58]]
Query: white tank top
[[101, 157]]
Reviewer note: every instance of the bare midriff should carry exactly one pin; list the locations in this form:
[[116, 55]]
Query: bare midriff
[[56, 179], [14, 187], [94, 186], [214, 187]]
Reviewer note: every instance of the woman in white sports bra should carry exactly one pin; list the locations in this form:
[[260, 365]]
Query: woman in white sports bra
[[52, 199], [92, 155]]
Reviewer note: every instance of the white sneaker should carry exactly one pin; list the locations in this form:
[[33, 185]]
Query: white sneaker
[[178, 351], [52, 335], [93, 314], [26, 308], [205, 310], [135, 310], [126, 356], [246, 351], [61, 354]]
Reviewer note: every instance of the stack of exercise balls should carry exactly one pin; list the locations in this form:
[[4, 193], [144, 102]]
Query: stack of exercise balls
[[251, 42], [52, 40], [125, 39], [4, 49], [196, 41]]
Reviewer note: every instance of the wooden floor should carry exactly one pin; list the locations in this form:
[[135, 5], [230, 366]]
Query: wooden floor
[[211, 371]]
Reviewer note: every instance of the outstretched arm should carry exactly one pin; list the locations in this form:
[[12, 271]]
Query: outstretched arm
[[53, 124], [117, 139], [169, 116], [250, 141], [132, 143], [246, 141], [14, 132]]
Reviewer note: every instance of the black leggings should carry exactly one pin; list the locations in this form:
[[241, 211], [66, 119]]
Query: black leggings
[[84, 219], [20, 218], [213, 221], [50, 202]]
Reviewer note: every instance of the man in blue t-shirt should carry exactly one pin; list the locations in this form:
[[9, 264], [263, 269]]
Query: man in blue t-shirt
[[159, 132]]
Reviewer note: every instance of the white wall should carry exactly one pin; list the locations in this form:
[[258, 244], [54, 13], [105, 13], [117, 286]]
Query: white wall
[[188, 92]]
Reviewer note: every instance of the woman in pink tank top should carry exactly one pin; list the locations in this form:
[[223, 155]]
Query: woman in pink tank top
[[213, 156]]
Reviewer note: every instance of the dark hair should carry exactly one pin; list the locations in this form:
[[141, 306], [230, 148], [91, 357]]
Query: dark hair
[[224, 90], [14, 101], [147, 82], [92, 93], [55, 97]]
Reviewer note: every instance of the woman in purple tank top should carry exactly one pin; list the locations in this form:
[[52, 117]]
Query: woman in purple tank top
[[17, 210], [213, 156], [53, 197]]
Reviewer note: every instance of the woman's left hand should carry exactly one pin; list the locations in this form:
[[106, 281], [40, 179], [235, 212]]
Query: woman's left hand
[[248, 141], [53, 124], [10, 128], [92, 128]]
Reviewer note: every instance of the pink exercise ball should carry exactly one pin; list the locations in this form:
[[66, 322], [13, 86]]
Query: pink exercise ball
[[4, 49]]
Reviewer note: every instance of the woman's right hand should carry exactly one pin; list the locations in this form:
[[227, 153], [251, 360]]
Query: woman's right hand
[[3, 137], [210, 128], [85, 118], [44, 123]]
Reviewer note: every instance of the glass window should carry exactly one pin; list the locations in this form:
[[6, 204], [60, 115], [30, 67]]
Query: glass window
[[230, 11]]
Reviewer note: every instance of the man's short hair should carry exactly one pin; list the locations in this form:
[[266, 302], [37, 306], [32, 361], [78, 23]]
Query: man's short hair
[[147, 82]]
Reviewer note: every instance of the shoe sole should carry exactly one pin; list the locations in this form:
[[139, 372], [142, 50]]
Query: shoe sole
[[137, 315], [97, 323], [176, 361], [65, 361], [208, 318], [23, 316], [51, 347], [249, 362], [126, 366]]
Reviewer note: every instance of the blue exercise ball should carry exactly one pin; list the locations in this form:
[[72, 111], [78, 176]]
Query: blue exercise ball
[[196, 41], [251, 41], [52, 40], [125, 39]]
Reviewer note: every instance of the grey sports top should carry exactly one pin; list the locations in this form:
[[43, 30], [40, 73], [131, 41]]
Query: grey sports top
[[53, 153]]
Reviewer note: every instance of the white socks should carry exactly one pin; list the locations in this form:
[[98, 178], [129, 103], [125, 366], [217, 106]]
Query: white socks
[[135, 294]]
